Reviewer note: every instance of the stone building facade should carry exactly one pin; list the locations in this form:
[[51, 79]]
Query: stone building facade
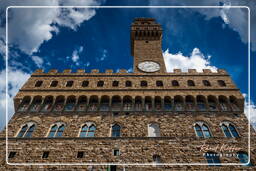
[[155, 119]]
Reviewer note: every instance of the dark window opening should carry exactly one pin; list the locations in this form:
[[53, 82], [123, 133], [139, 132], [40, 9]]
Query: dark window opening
[[159, 83], [69, 84], [115, 83], [45, 154], [175, 83], [128, 83], [115, 113], [85, 83], [38, 83], [100, 83], [54, 83], [113, 168], [80, 154], [12, 154], [191, 83], [221, 83], [143, 84], [116, 152], [206, 83]]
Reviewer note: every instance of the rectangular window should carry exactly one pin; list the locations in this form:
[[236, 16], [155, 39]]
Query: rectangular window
[[80, 154], [12, 154], [116, 152], [45, 154]]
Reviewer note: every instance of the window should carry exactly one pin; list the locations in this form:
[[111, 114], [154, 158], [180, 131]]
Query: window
[[127, 103], [128, 84], [69, 83], [54, 84], [229, 130], [138, 103], [201, 103], [178, 103], [70, 104], [206, 83], [212, 102], [116, 103], [243, 158], [38, 83], [45, 154], [27, 130], [11, 154], [153, 130], [100, 84], [202, 130], [116, 152], [115, 83], [82, 102], [191, 83], [56, 130], [104, 103], [159, 83], [167, 103], [80, 154], [223, 101], [156, 159], [116, 130], [93, 103], [59, 104], [190, 103], [112, 168], [175, 83], [24, 104], [88, 130], [221, 83], [36, 104], [143, 83], [85, 83], [212, 158], [148, 103]]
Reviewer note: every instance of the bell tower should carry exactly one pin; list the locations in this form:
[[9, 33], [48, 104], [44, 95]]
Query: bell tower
[[146, 46]]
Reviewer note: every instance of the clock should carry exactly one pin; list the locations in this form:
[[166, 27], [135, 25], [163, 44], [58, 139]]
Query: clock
[[149, 66]]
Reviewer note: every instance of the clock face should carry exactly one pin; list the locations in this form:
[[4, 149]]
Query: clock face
[[149, 66]]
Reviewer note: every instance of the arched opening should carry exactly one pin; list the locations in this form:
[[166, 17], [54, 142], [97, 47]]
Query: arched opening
[[223, 101], [48, 103], [143, 83], [128, 84], [24, 104], [234, 103], [38, 83], [156, 159], [201, 103], [70, 104], [127, 103], [190, 103], [167, 103], [175, 83], [116, 130], [158, 103], [221, 83], [148, 103], [153, 130], [212, 102], [138, 103], [191, 83], [116, 103], [36, 103], [59, 104], [178, 103], [82, 102], [104, 103], [206, 83], [93, 103]]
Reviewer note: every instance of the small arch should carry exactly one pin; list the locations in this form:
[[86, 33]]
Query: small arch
[[26, 130], [158, 103], [93, 103], [85, 83], [127, 103], [191, 83], [56, 130], [54, 83], [178, 103], [82, 103], [115, 130], [104, 103], [128, 84], [212, 102], [59, 103], [115, 83], [201, 103], [36, 104], [47, 104], [202, 130], [206, 83], [70, 104], [229, 129], [190, 103], [221, 83], [148, 103], [38, 83], [175, 83], [69, 83], [153, 130], [159, 83], [116, 103], [143, 83], [88, 130], [138, 103], [100, 83], [234, 103], [167, 103], [223, 101], [24, 104]]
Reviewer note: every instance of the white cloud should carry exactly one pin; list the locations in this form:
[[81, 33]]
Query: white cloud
[[75, 55], [250, 107], [38, 61], [35, 26], [196, 60], [16, 79]]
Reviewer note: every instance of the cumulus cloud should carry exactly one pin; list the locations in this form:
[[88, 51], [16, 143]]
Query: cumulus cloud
[[16, 79], [196, 60], [38, 61], [75, 55], [35, 26], [250, 107]]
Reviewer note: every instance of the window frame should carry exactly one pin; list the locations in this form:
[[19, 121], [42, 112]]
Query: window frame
[[29, 125], [88, 124], [58, 124], [201, 124], [227, 124]]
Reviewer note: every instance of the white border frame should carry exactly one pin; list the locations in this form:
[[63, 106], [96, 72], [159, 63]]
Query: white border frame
[[130, 164]]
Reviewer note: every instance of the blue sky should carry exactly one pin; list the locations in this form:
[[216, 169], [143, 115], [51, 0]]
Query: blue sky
[[100, 38]]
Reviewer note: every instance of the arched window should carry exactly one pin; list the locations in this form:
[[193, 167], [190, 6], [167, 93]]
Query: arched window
[[69, 83], [116, 103], [221, 83], [88, 130], [175, 83], [54, 84], [223, 103], [191, 83], [100, 84], [104, 103], [159, 83], [212, 158], [234, 103], [148, 103], [127, 103], [48, 103], [206, 83], [138, 103], [153, 130], [26, 130], [59, 104], [200, 100], [57, 130], [229, 130], [82, 102], [85, 83], [70, 104], [178, 103], [38, 83], [24, 104], [243, 158], [190, 103], [36, 103], [158, 103], [212, 102], [116, 130], [156, 159], [128, 84], [93, 103], [202, 130], [115, 83], [167, 103], [143, 83]]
